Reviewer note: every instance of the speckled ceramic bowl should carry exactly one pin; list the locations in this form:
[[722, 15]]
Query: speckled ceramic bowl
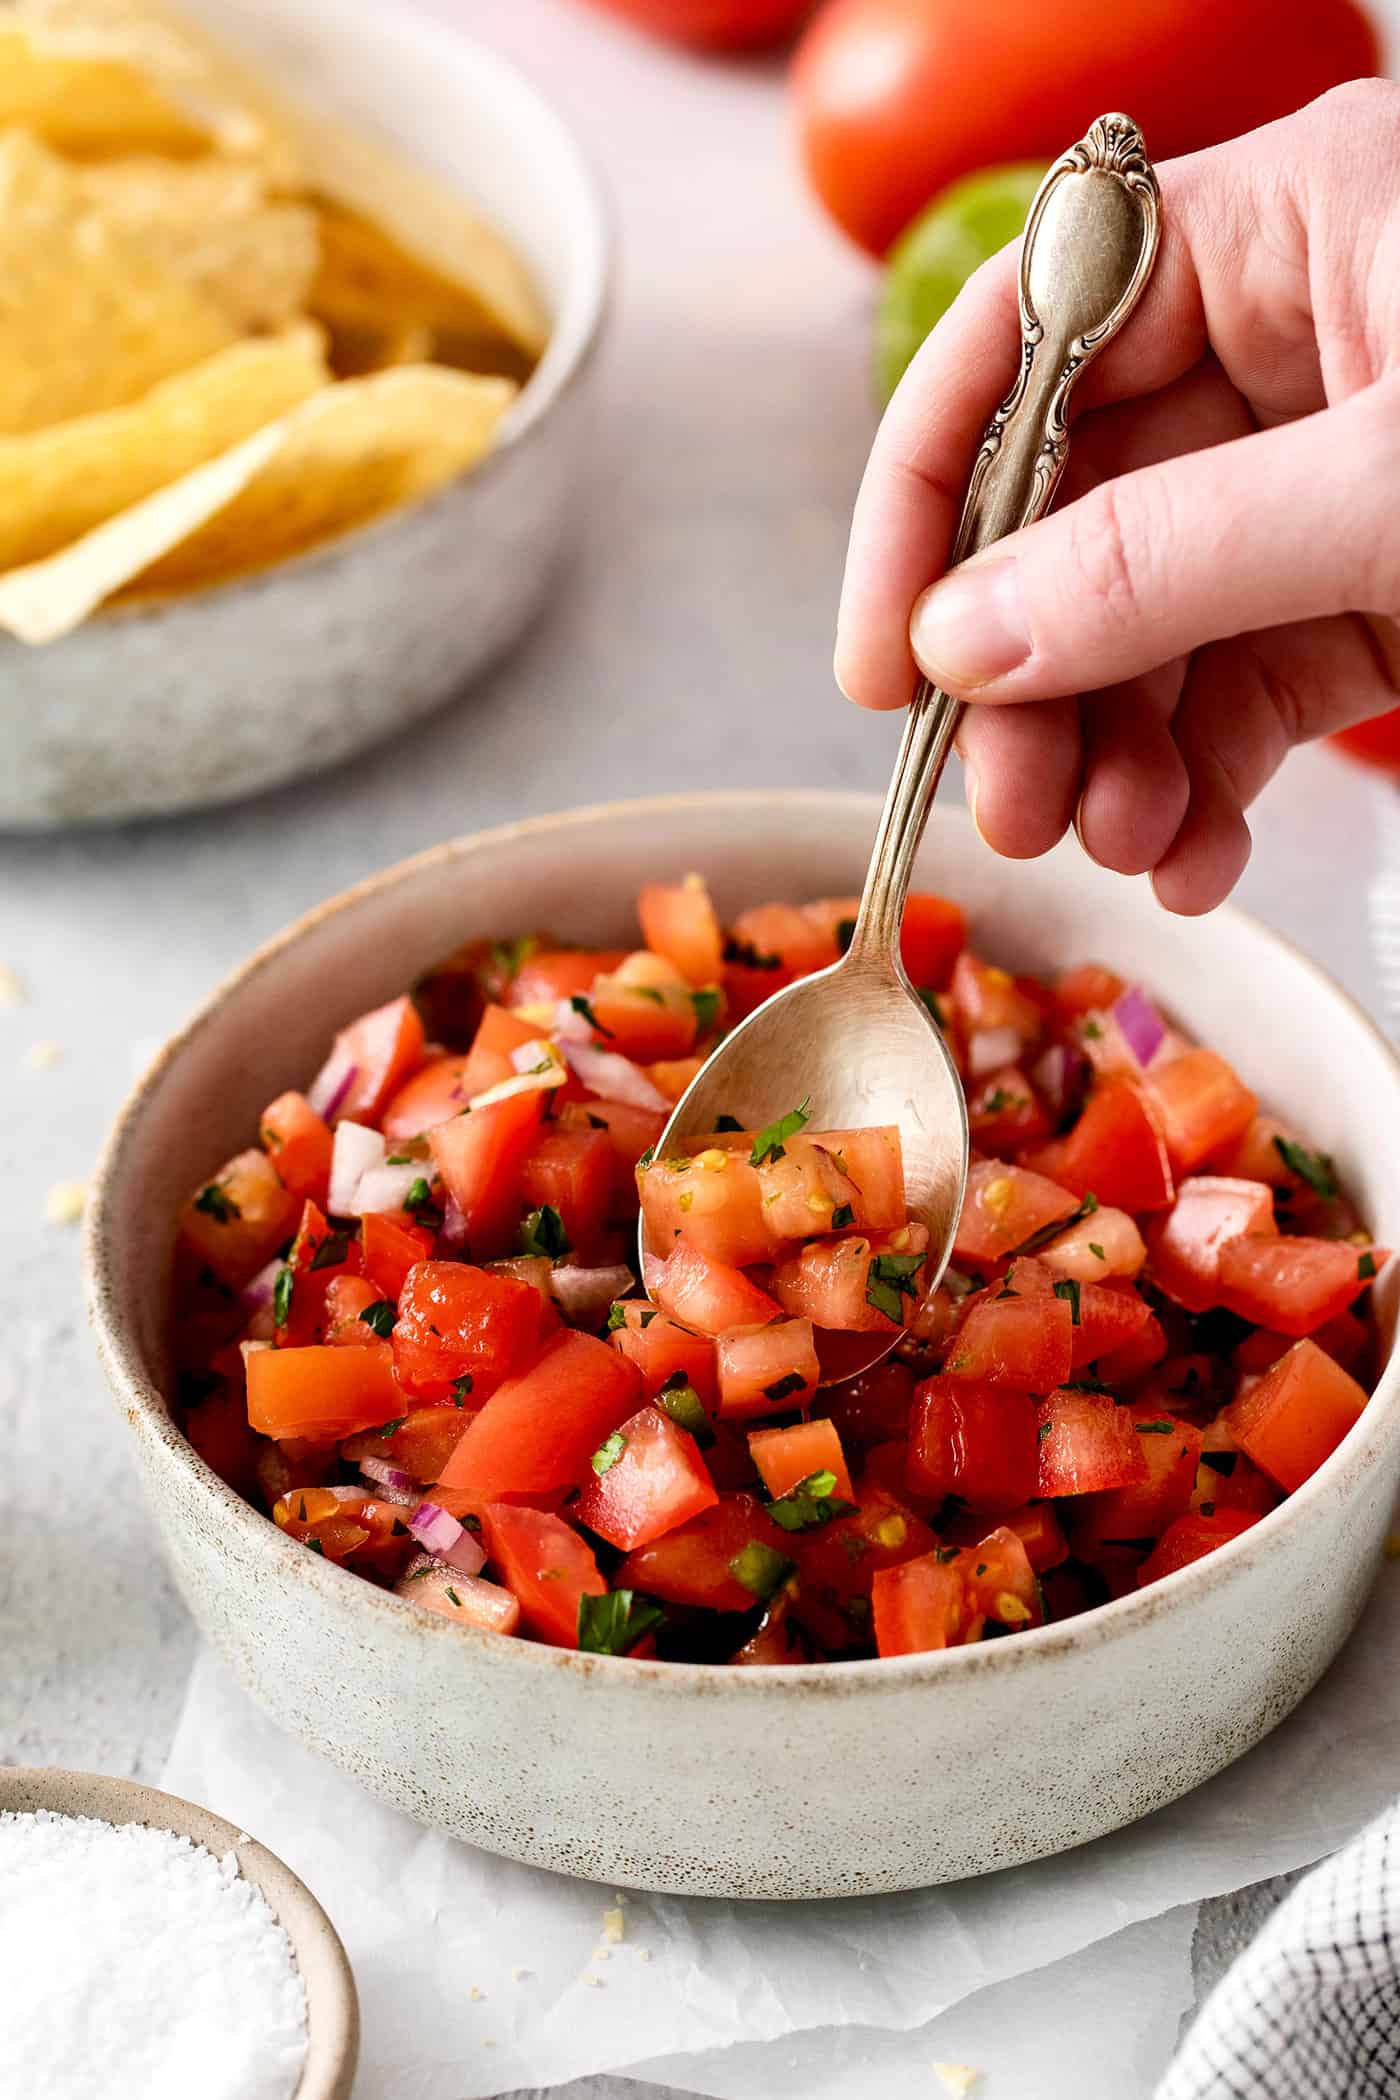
[[161, 706], [801, 1781], [332, 2007]]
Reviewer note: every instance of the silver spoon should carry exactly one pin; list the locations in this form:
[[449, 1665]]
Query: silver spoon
[[856, 1038]]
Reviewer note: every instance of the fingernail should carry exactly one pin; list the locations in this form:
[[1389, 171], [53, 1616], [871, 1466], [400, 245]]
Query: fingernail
[[972, 789], [971, 627]]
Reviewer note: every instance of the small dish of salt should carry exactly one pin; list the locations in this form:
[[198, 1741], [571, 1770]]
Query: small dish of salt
[[150, 1950]]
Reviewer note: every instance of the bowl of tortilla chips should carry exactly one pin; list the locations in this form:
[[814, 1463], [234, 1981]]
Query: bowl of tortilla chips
[[296, 307]]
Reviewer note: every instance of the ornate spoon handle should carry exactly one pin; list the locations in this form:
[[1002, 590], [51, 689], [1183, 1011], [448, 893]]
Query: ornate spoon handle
[[1088, 250]]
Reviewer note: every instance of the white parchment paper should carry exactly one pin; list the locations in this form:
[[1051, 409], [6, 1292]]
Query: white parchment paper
[[440, 1934]]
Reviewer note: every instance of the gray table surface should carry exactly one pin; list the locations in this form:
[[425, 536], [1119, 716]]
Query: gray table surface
[[688, 639]]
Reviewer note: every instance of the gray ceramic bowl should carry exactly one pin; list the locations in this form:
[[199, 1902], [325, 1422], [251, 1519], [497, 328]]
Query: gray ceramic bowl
[[801, 1781], [332, 2007], [151, 708]]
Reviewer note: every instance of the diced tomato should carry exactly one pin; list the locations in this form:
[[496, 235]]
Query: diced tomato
[[767, 1369], [572, 1171], [836, 1284], [779, 1639], [1144, 1508], [1190, 1538], [1202, 1104], [438, 1092], [1226, 1479], [545, 1565], [552, 974], [388, 1251], [320, 1392], [710, 1199], [1001, 1582], [347, 1298], [1136, 1356], [538, 1431], [369, 1062], [678, 921], [974, 1441], [653, 1481], [642, 1018], [217, 1426], [660, 1348], [1255, 1155], [838, 1562], [1003, 1208], [710, 1295], [1291, 1284], [630, 1131], [465, 1598], [1185, 1246], [1006, 1339], [1116, 1151], [931, 939], [919, 1605], [299, 1144], [1110, 1315], [457, 1323], [673, 1075], [694, 1563], [1086, 989], [239, 1219], [1005, 1113], [884, 1477], [420, 1441], [786, 1456], [1296, 1415], [986, 1000], [1038, 1529], [800, 942], [1344, 1337], [873, 1407], [481, 1158], [1086, 1444]]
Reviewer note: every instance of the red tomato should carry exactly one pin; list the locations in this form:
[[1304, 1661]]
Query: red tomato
[[931, 939], [572, 1171], [347, 1297], [710, 1295], [481, 1157], [299, 1144], [1375, 743], [986, 1000], [973, 1441], [1086, 1443], [1291, 1284], [1089, 988], [545, 1565], [919, 1605], [767, 1370], [1135, 1356], [838, 1562], [1000, 1580], [874, 1407], [1191, 1538], [786, 1456], [537, 1432], [710, 1199], [714, 25], [678, 921], [672, 1075], [1111, 1315], [652, 1482], [630, 1131], [239, 1219], [218, 1429], [420, 1442], [643, 1019], [1003, 1208], [1007, 1339], [1143, 1508], [560, 973], [465, 1598], [1184, 1247], [1005, 1113], [1296, 1415], [457, 1322], [1203, 1106], [1116, 1151], [898, 98], [388, 1251], [769, 947], [660, 1348], [369, 1061], [829, 1283], [321, 1393], [694, 1563]]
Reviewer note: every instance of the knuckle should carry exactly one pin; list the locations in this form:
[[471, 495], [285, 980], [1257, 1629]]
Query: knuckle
[[1108, 548]]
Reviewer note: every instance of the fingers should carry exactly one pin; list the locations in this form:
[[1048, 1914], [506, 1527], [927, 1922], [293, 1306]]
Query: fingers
[[1023, 769], [1136, 786], [1286, 523]]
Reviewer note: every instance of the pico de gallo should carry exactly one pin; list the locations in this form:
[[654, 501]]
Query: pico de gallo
[[408, 1322]]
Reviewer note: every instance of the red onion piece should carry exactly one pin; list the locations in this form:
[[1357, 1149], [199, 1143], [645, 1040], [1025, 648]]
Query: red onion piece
[[653, 1269], [570, 1026], [1142, 1027], [384, 1474], [258, 1290], [467, 1555], [586, 1294], [332, 1083], [614, 1078], [991, 1048], [434, 1528], [453, 1230], [356, 1150], [1060, 1074]]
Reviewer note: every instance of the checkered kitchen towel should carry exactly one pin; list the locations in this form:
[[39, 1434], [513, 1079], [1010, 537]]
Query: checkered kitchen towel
[[1311, 2009]]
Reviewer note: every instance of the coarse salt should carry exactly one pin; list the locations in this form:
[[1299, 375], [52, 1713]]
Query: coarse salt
[[139, 1966]]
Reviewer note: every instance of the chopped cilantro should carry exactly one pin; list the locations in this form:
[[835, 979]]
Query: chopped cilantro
[[398, 1529], [542, 1232], [769, 1143], [947, 1553], [810, 1503], [380, 1316], [930, 1000], [1207, 1509], [890, 1277], [1365, 1265], [793, 1382], [1043, 1432], [706, 1004], [509, 956], [317, 1547], [282, 1298], [596, 1122], [845, 933], [981, 1567], [648, 991], [389, 1428], [217, 1203], [759, 1569], [1155, 1428], [679, 1399], [728, 1123], [647, 1157], [1083, 1385], [1091, 1030], [607, 1454], [301, 1512], [1222, 1462], [400, 1159], [842, 1215], [1087, 1206], [331, 1251], [584, 1006], [1097, 1251], [617, 1316], [452, 1594], [999, 1100], [417, 1574], [745, 952], [460, 1388], [419, 1196], [1068, 1287], [1313, 1167], [615, 1622]]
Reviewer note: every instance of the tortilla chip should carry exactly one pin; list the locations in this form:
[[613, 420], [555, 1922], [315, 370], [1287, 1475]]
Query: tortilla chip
[[209, 223], [60, 483], [86, 321], [354, 352], [349, 453], [87, 107]]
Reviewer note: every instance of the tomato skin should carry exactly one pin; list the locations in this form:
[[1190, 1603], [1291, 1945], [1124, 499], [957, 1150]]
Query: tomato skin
[[552, 974], [1005, 1114], [837, 1565], [571, 1170], [678, 921], [1290, 1284], [1202, 1105], [388, 1251], [659, 1347], [1009, 1340], [299, 1144], [659, 1481], [240, 1218], [1088, 988], [931, 938], [1296, 1415], [874, 1407], [984, 997], [545, 1565], [711, 1295], [1000, 1580], [1374, 743], [1117, 1150], [1090, 1444], [690, 1565], [641, 1017], [376, 1053], [1190, 1538], [898, 98], [421, 1444], [713, 25], [972, 1440], [757, 1369], [1143, 1509], [1184, 1247], [828, 1282], [454, 1321], [918, 1606], [481, 1158], [1003, 1208], [320, 1392], [786, 1456], [538, 1431], [711, 1201]]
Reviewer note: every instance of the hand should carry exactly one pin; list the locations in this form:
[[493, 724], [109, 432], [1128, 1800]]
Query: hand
[[1218, 580]]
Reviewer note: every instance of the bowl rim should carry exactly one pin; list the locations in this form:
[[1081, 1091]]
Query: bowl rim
[[549, 383], [332, 2003], [1104, 1624]]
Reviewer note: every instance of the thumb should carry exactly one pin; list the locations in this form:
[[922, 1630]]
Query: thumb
[[1284, 525]]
